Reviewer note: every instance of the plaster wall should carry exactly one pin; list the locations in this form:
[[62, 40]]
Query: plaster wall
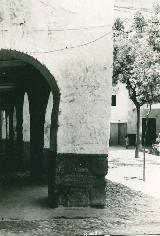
[[124, 111], [119, 113], [52, 32]]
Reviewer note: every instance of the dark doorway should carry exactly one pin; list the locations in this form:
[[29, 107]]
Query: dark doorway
[[151, 131], [122, 131], [113, 134], [132, 139], [118, 133]]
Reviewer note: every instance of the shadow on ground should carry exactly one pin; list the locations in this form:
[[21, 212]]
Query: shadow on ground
[[24, 211]]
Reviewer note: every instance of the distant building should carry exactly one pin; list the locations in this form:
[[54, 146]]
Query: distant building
[[153, 123], [123, 119], [123, 114]]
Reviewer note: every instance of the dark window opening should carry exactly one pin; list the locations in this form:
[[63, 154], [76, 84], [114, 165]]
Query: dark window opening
[[113, 100]]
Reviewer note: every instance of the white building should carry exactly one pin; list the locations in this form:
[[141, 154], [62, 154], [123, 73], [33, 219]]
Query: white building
[[124, 119]]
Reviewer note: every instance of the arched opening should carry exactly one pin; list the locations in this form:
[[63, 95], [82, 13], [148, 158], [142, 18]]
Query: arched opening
[[28, 93]]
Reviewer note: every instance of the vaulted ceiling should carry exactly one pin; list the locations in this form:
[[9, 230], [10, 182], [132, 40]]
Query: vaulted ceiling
[[12, 71]]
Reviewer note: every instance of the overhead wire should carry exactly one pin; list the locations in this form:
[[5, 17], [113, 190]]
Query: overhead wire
[[72, 29], [65, 29], [48, 5], [76, 46]]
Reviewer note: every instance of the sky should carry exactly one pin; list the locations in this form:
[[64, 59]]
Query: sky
[[127, 8]]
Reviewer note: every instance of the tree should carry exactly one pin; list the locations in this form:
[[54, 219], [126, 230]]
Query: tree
[[137, 65], [139, 22], [156, 7], [118, 25], [154, 32]]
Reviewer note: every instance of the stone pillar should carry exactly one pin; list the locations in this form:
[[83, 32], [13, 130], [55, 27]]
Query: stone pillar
[[7, 132], [2, 131], [80, 180], [83, 137], [0, 125], [38, 98], [52, 162], [19, 126], [7, 125], [10, 96], [11, 133]]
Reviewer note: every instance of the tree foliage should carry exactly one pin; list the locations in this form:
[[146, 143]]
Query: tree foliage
[[139, 22], [118, 25], [156, 7], [136, 63], [154, 32]]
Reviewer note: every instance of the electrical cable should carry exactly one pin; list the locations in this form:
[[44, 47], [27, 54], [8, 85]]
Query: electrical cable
[[77, 46], [74, 29]]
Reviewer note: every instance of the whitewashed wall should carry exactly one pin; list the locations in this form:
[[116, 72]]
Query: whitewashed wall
[[124, 111], [83, 74]]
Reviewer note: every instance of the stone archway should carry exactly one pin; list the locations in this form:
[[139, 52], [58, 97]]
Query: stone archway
[[29, 76]]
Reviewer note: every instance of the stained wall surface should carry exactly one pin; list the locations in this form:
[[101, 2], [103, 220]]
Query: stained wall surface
[[73, 39]]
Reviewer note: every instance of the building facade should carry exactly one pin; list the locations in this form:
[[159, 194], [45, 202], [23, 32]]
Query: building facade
[[124, 119], [55, 89]]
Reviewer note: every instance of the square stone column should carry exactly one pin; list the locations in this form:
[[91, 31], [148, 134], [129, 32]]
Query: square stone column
[[79, 180]]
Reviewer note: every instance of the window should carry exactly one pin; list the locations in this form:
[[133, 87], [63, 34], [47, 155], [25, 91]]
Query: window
[[113, 100]]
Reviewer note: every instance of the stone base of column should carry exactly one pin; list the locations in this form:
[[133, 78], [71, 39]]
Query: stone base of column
[[78, 180]]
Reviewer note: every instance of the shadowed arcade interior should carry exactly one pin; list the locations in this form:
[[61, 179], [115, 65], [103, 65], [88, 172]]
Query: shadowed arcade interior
[[20, 80]]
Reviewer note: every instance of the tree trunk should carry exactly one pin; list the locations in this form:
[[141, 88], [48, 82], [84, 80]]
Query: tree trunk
[[144, 147], [138, 133]]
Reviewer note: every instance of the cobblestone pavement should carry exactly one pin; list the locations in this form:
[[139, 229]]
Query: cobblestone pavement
[[24, 210]]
